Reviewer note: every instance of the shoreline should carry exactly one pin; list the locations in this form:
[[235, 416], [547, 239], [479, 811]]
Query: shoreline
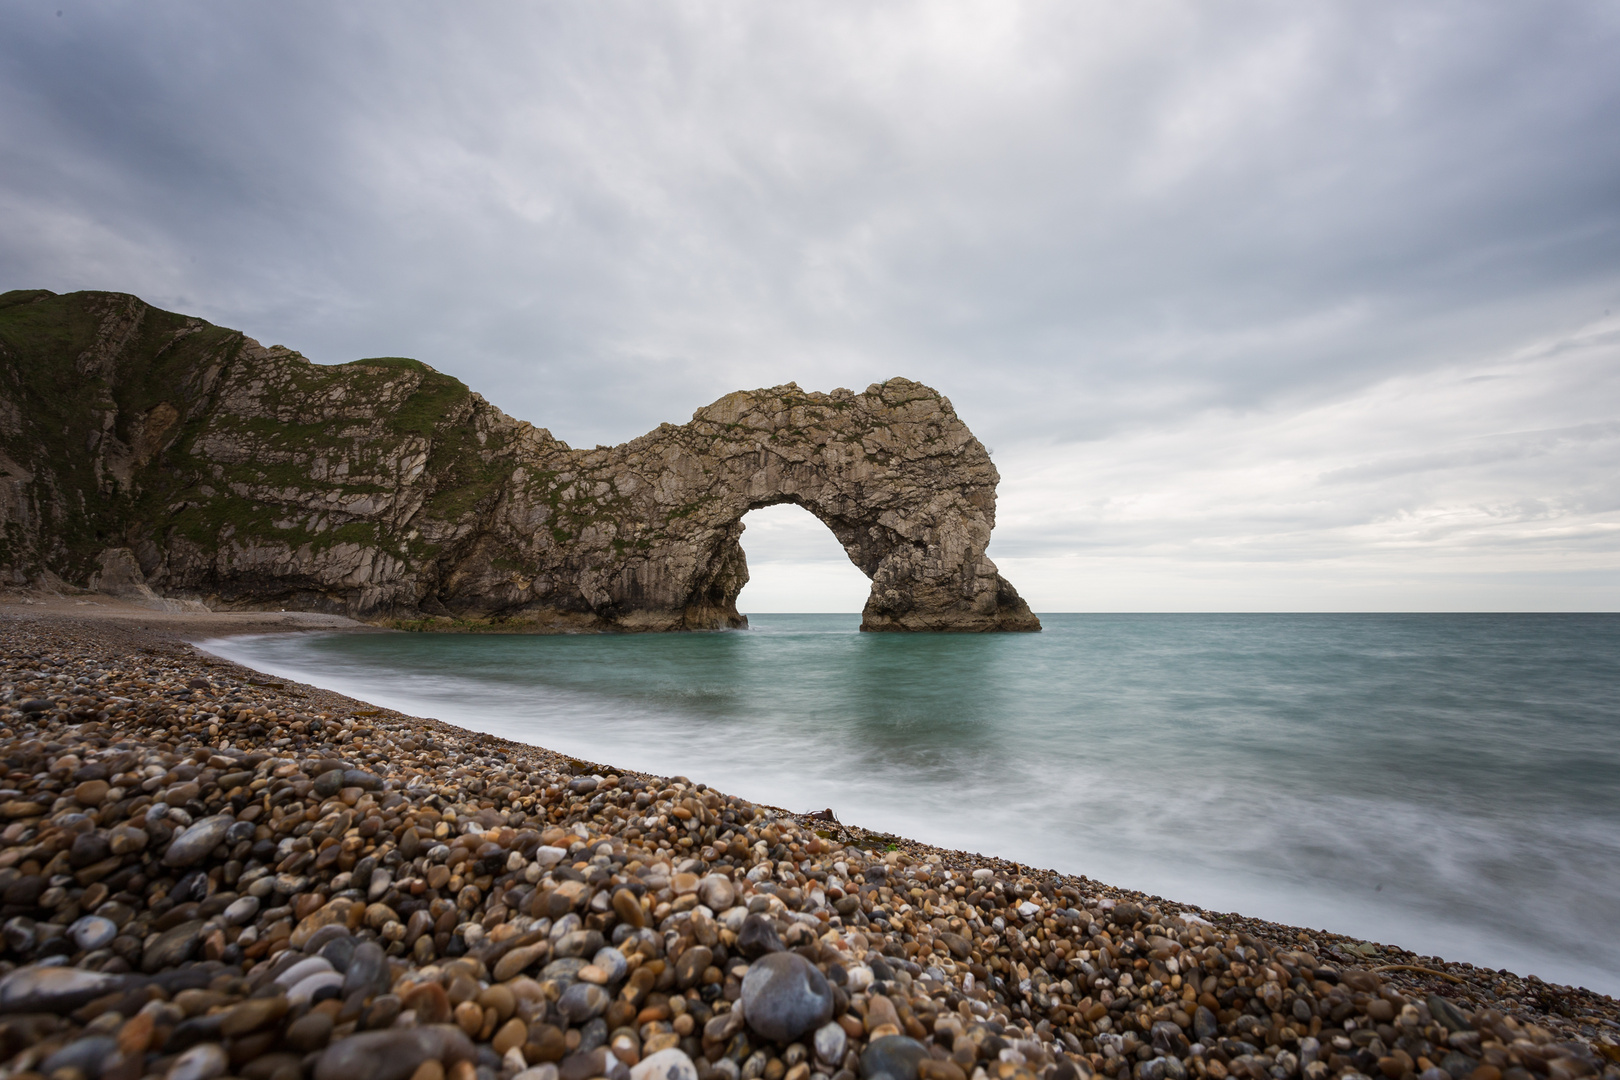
[[1058, 976]]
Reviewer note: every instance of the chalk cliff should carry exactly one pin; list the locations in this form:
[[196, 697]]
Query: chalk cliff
[[156, 451]]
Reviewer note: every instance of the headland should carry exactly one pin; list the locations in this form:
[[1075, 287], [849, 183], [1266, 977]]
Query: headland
[[156, 455], [207, 872]]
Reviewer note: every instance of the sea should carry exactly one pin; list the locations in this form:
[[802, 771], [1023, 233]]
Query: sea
[[1446, 783]]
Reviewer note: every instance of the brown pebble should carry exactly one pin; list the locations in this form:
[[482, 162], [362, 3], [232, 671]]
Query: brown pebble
[[469, 1016], [513, 1033], [428, 1070], [628, 908], [462, 989], [135, 1037], [91, 792], [499, 998], [518, 960], [546, 1043], [252, 1015], [431, 1003], [197, 1002], [309, 1032]]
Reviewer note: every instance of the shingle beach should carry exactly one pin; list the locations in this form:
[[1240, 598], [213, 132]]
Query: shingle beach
[[208, 872]]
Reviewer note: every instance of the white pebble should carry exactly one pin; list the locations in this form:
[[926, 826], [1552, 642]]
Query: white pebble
[[306, 989], [201, 1062], [669, 1064], [830, 1042], [302, 970], [241, 910]]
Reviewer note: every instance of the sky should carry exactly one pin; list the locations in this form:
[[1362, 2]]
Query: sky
[[1258, 306]]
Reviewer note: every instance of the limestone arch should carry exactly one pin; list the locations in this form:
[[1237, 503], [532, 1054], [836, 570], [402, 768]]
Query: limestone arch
[[893, 473]]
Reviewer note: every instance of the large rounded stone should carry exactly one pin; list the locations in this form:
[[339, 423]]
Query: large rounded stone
[[784, 995]]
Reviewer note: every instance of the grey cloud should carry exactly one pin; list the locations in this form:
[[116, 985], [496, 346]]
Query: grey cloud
[[1497, 449], [1081, 222]]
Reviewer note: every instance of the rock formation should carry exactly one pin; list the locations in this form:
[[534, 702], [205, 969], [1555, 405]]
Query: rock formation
[[247, 477]]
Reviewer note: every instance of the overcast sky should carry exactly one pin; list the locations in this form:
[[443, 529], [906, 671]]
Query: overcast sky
[[1259, 306]]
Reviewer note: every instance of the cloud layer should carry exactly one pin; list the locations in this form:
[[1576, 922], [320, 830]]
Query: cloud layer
[[1261, 306]]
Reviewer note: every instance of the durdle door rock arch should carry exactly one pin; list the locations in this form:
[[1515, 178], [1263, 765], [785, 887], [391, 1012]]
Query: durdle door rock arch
[[189, 460], [892, 472]]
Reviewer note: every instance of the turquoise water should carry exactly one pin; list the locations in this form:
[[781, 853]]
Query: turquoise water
[[1448, 783]]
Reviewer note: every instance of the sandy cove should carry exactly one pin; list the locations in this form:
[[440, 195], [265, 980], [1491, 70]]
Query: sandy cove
[[208, 872]]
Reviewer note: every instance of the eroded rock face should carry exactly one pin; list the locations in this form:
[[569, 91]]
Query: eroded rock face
[[249, 477]]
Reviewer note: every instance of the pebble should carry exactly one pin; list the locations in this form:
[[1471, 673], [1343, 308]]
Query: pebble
[[54, 989], [667, 1064], [241, 910], [197, 841], [784, 995], [303, 969], [308, 987], [368, 970], [830, 1042], [93, 932], [202, 1062], [519, 960], [612, 963], [717, 892], [628, 909], [1448, 1014], [89, 1056], [1205, 1026], [393, 1054], [253, 1014], [691, 964], [329, 783], [893, 1057], [758, 937], [310, 1032], [583, 1001]]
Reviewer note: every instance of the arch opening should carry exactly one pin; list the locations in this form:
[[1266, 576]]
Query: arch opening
[[797, 565]]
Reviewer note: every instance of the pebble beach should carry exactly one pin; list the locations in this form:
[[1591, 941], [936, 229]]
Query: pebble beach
[[206, 872]]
